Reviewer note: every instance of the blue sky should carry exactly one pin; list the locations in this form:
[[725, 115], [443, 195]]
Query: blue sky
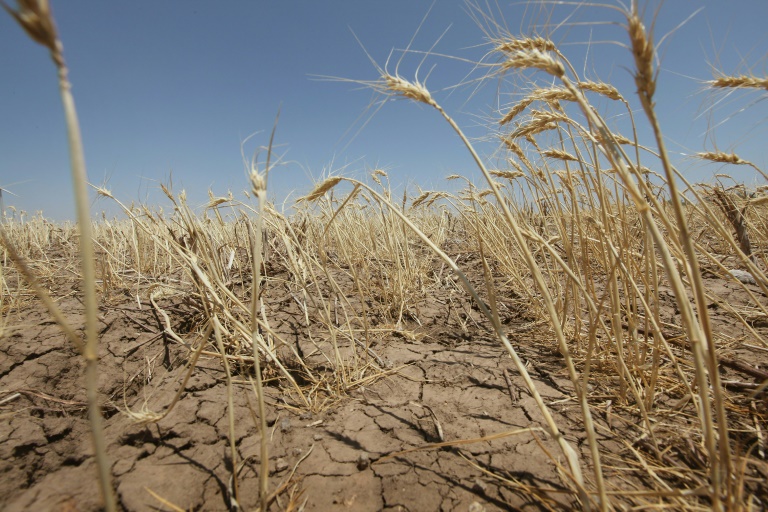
[[176, 86]]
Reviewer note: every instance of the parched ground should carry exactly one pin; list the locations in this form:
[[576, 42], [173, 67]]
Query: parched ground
[[444, 382]]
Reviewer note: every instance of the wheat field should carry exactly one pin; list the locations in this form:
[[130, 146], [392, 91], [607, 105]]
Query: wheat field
[[578, 327]]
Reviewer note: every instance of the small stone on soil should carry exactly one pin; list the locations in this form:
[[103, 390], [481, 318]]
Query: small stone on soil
[[280, 465], [479, 486], [476, 507]]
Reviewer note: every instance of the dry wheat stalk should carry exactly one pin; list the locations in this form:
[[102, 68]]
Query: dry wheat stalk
[[550, 95], [514, 111], [642, 50], [606, 90], [527, 43], [735, 216], [739, 82], [411, 90], [422, 197], [517, 150], [35, 17], [510, 175], [533, 59], [559, 155], [322, 188], [719, 156], [728, 158]]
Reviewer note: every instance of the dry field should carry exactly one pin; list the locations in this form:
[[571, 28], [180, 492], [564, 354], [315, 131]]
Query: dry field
[[586, 331]]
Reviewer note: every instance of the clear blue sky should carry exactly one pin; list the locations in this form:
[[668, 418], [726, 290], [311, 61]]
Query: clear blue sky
[[175, 86]]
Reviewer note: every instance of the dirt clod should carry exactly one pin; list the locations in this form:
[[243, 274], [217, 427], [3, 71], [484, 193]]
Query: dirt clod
[[363, 461]]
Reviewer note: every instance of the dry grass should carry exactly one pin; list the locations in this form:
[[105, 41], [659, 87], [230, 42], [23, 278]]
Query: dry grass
[[589, 238]]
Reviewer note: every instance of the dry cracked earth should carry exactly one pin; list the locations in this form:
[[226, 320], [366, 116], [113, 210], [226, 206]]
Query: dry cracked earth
[[445, 383]]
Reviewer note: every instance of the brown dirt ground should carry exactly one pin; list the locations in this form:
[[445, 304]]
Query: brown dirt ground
[[443, 378]]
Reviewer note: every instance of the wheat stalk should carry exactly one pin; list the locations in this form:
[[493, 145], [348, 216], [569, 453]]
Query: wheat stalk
[[35, 17]]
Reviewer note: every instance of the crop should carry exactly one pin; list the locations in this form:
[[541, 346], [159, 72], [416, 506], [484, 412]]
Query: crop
[[593, 233]]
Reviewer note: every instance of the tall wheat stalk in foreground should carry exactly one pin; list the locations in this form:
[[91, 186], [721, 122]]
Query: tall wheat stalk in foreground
[[35, 17], [259, 190]]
